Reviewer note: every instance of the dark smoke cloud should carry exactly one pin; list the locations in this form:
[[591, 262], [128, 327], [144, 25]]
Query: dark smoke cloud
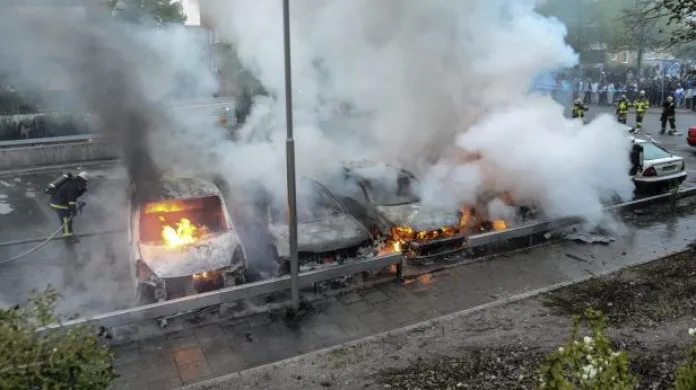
[[103, 67]]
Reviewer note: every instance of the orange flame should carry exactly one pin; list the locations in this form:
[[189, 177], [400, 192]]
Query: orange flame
[[164, 207], [425, 279], [185, 233], [499, 225]]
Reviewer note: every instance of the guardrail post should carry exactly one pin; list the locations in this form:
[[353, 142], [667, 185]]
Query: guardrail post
[[400, 269]]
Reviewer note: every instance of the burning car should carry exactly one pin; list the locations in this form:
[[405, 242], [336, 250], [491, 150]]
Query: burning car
[[326, 233], [385, 198], [183, 242]]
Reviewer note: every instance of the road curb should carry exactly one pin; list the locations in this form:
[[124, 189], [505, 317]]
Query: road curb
[[223, 382]]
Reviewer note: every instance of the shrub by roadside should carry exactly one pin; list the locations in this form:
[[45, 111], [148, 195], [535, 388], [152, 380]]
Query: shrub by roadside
[[61, 359]]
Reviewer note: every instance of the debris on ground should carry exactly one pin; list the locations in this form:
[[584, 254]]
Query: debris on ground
[[647, 294], [588, 238], [634, 301]]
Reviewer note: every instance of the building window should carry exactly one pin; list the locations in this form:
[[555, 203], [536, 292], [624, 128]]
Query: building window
[[614, 57], [625, 61]]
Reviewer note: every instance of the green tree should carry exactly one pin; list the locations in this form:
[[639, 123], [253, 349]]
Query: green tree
[[58, 359], [680, 15], [142, 11], [641, 28], [591, 25]]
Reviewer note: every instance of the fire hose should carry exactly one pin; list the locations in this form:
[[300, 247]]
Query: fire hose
[[80, 206]]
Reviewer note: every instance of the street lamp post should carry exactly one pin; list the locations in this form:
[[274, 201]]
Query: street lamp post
[[290, 155]]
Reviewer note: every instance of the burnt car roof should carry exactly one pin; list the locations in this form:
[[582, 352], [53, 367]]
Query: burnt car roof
[[361, 169], [174, 187]]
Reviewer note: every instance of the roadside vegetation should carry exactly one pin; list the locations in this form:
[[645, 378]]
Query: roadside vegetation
[[73, 358]]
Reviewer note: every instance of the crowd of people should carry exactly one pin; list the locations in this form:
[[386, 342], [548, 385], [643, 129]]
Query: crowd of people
[[605, 88]]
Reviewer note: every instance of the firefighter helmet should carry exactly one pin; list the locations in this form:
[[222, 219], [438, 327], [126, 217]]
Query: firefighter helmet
[[83, 175], [623, 97], [642, 93], [578, 101], [670, 98]]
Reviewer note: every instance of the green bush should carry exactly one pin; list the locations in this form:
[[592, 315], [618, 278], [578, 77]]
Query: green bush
[[686, 374], [589, 363], [59, 359]]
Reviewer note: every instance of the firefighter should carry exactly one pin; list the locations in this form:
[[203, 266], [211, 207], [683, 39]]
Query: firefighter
[[64, 200], [668, 112], [579, 109], [641, 104], [622, 109]]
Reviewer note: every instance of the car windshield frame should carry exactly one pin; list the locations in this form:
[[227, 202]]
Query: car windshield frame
[[378, 193], [652, 151]]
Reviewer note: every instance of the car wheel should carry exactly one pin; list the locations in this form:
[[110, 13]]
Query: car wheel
[[144, 294]]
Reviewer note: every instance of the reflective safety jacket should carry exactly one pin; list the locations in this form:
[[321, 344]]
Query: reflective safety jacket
[[579, 110], [622, 107], [67, 194], [641, 104]]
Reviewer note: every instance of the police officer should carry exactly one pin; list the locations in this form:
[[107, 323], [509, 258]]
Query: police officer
[[668, 112], [579, 109], [622, 109], [64, 200], [641, 104]]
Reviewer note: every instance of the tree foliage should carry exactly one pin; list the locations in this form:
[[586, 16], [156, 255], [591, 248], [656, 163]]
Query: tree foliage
[[595, 27], [681, 14], [60, 359], [143, 11]]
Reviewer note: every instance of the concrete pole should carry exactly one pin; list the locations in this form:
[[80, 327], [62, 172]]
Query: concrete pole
[[290, 155]]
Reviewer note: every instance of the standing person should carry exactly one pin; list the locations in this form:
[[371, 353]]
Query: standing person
[[622, 109], [689, 97], [679, 95], [603, 95], [668, 113], [64, 201], [641, 104], [578, 111], [588, 92], [610, 94], [595, 93]]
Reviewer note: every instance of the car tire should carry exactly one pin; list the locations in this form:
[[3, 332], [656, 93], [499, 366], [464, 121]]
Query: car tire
[[144, 294]]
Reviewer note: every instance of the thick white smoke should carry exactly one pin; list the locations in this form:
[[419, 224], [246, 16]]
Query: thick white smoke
[[422, 84]]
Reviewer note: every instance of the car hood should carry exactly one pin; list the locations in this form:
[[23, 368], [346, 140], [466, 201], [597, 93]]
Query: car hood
[[329, 234], [419, 217], [206, 255]]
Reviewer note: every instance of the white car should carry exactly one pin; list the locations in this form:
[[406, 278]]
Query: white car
[[653, 168], [182, 240]]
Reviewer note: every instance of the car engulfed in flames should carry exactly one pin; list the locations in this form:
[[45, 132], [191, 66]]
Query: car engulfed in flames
[[437, 241], [385, 198], [183, 242]]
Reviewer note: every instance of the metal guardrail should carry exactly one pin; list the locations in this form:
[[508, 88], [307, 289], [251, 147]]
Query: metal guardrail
[[541, 227], [230, 294], [91, 137], [199, 301], [66, 139]]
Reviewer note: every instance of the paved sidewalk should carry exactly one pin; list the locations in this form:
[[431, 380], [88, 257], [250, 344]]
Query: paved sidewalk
[[201, 353]]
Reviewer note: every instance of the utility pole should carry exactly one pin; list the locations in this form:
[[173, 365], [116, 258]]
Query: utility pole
[[290, 156]]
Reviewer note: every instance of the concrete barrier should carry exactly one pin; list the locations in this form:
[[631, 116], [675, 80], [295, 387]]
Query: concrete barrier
[[56, 154]]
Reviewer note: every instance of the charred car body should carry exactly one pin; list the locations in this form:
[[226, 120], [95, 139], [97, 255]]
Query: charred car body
[[385, 198], [326, 232], [183, 241]]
